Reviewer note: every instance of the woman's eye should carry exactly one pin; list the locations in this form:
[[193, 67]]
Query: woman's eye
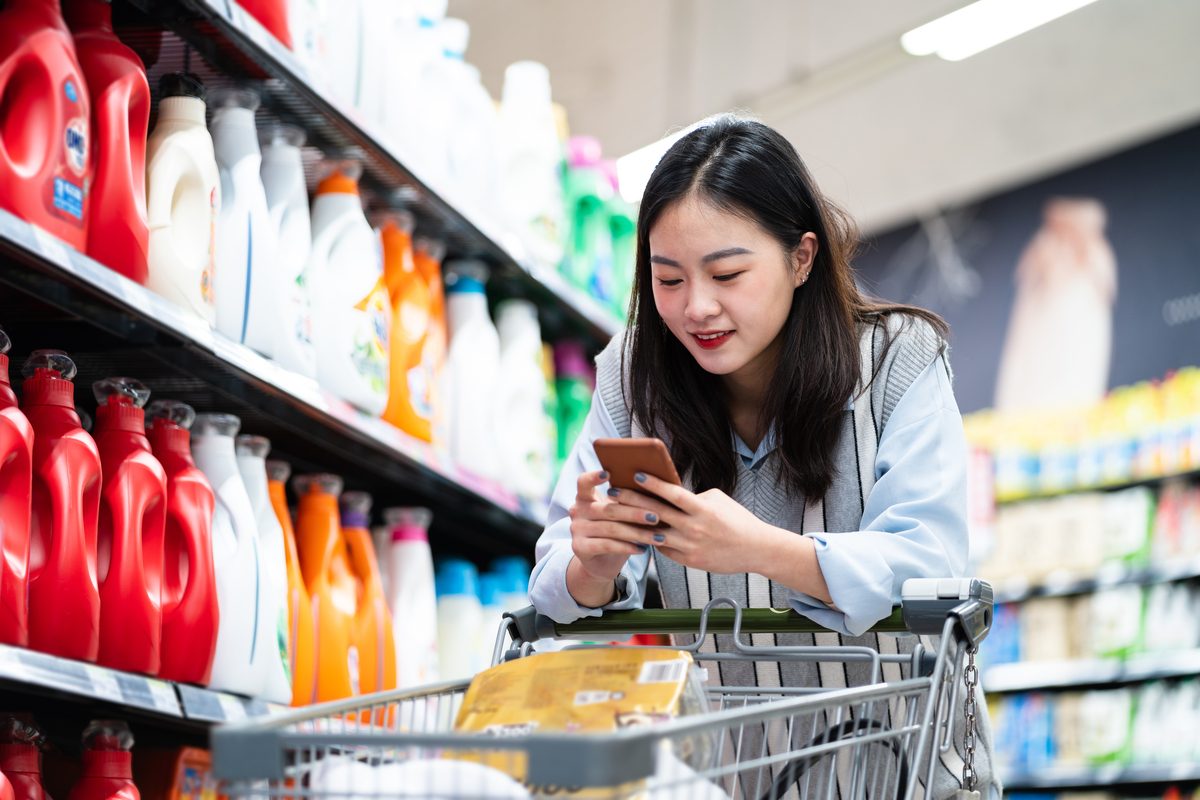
[[728, 277], [672, 282]]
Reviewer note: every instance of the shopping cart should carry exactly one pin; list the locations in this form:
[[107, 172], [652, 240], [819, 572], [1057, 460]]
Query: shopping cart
[[882, 739]]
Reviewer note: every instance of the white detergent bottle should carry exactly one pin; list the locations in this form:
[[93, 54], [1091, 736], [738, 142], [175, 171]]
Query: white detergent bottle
[[287, 201], [472, 136], [472, 370], [412, 596], [183, 198], [520, 401], [530, 158], [247, 283], [350, 306], [239, 664], [491, 614], [252, 454], [459, 616]]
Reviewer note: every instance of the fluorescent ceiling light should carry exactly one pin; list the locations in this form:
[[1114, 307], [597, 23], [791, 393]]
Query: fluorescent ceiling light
[[983, 24], [634, 169]]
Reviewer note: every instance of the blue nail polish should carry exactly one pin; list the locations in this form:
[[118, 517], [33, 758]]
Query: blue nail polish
[[603, 475], [651, 517], [660, 538], [640, 477], [613, 492]]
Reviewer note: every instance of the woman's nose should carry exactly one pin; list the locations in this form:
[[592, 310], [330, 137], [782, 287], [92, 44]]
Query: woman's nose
[[701, 304]]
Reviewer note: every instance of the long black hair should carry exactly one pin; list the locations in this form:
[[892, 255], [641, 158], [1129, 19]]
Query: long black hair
[[746, 168]]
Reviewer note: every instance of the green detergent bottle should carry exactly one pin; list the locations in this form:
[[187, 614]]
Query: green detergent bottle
[[575, 383], [589, 258]]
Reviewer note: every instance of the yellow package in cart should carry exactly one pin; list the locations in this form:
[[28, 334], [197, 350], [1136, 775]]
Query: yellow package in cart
[[597, 690]]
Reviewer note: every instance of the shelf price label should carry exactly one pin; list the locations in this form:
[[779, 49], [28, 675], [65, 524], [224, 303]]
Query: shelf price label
[[104, 684], [163, 696], [231, 707]]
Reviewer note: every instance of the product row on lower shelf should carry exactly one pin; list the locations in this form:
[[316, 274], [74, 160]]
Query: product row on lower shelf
[[1150, 726], [111, 764]]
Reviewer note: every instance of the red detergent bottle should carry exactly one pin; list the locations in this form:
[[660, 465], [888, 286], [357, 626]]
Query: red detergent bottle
[[16, 477], [189, 589], [21, 758], [129, 534], [64, 596], [45, 120], [107, 763], [120, 99]]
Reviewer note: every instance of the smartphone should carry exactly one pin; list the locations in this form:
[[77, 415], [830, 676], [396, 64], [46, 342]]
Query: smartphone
[[624, 458]]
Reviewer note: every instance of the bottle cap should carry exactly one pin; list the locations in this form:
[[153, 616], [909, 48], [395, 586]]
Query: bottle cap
[[55, 361], [320, 483], [512, 565], [216, 425], [434, 249], [175, 412], [254, 446], [181, 84], [466, 276], [526, 82], [397, 217], [583, 151], [340, 176], [280, 133], [456, 576], [356, 509], [279, 471], [5, 343], [570, 361], [234, 97], [124, 391], [515, 309], [408, 524], [455, 34], [491, 586], [107, 734]]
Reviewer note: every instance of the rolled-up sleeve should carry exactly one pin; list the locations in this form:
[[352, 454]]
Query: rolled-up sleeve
[[914, 519], [548, 581]]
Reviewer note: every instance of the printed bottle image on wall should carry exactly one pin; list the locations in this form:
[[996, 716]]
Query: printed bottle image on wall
[[1059, 341]]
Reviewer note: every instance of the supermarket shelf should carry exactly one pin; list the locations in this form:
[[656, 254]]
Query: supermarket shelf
[[113, 326], [1036, 675], [1067, 584], [239, 49], [31, 671], [1105, 776], [1150, 480]]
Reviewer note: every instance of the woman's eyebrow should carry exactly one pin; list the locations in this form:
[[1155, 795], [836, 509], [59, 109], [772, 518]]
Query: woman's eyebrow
[[708, 259]]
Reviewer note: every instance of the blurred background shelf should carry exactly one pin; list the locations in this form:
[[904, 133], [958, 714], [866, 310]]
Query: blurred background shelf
[[1067, 584], [1113, 777], [1036, 675]]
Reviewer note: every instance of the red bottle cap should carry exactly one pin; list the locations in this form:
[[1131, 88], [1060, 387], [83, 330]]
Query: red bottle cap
[[170, 422], [120, 404], [278, 471], [48, 375]]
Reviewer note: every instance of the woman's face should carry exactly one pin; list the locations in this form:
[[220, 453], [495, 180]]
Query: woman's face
[[723, 286]]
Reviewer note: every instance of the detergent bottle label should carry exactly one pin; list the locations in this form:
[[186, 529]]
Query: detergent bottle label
[[210, 261], [70, 184], [419, 394], [372, 329], [281, 640], [352, 661]]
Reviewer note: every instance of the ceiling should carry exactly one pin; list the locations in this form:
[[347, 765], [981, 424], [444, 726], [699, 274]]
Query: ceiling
[[890, 136]]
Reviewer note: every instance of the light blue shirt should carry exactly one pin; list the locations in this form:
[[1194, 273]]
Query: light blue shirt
[[914, 521]]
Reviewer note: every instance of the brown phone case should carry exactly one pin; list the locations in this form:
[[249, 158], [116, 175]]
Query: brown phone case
[[624, 458]]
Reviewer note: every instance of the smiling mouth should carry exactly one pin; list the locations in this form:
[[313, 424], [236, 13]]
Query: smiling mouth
[[711, 341]]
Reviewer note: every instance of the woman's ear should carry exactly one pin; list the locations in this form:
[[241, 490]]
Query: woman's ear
[[803, 257]]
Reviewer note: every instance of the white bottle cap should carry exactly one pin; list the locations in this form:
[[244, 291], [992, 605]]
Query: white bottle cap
[[455, 35], [526, 82]]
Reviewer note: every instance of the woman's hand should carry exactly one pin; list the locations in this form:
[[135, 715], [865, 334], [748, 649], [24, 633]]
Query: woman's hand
[[709, 531], [604, 534]]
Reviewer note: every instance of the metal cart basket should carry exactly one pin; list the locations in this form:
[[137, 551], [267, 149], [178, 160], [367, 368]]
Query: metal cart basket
[[881, 739]]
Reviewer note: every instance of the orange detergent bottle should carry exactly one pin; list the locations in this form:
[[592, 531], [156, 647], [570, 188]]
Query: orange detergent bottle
[[300, 610], [428, 260], [325, 564], [16, 476], [120, 97], [190, 615], [133, 515], [373, 621], [45, 117], [64, 595], [410, 388]]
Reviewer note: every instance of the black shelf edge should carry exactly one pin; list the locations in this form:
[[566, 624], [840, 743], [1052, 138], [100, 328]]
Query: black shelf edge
[[1102, 776], [1149, 480], [1106, 578], [43, 267], [1029, 676], [32, 671]]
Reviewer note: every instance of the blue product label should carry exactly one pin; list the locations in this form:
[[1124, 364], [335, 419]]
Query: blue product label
[[72, 94], [68, 197]]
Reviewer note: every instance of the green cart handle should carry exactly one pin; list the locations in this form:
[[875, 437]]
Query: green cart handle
[[926, 605]]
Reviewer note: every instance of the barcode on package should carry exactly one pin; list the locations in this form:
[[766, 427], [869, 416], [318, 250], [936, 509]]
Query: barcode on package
[[663, 671]]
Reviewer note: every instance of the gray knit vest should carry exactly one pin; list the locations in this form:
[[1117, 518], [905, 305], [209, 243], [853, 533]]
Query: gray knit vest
[[887, 372]]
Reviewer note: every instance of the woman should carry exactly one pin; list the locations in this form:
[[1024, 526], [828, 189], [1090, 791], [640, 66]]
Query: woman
[[791, 404]]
